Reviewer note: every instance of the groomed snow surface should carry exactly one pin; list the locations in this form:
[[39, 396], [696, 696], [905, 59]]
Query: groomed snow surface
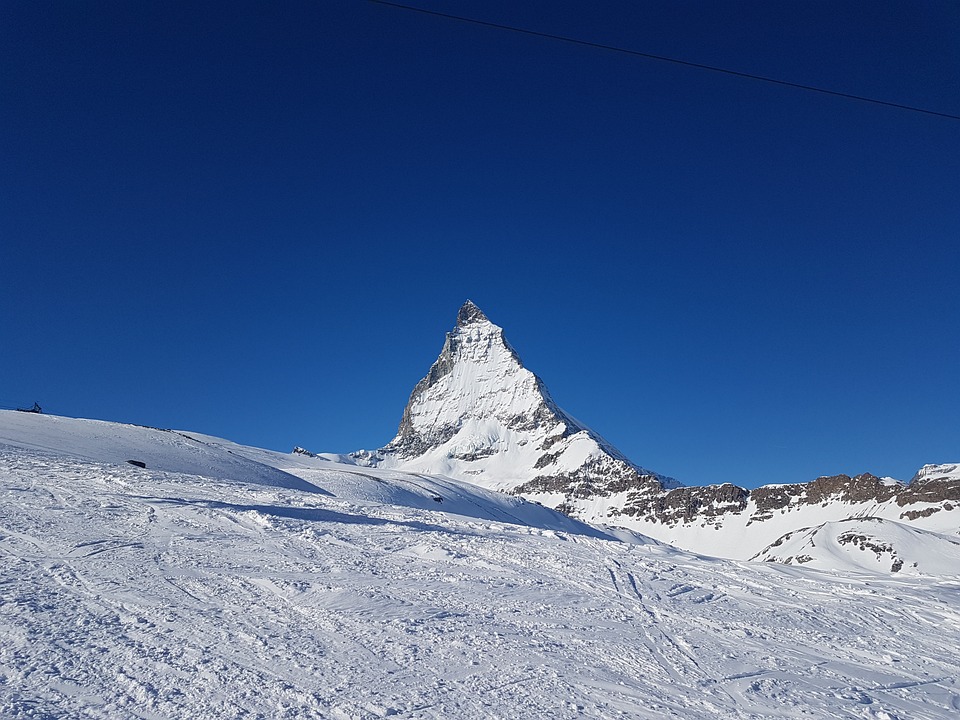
[[254, 584]]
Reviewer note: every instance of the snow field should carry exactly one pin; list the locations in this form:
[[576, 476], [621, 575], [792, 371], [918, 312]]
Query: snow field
[[153, 594], [869, 544]]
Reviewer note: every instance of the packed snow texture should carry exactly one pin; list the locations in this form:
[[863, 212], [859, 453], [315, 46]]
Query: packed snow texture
[[154, 592]]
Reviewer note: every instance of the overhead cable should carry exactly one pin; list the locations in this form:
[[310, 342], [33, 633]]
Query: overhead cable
[[663, 58]]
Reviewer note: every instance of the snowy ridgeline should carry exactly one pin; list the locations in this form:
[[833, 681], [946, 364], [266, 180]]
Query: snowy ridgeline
[[480, 416], [222, 581]]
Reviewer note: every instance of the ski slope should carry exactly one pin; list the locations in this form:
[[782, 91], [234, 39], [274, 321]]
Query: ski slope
[[119, 443], [157, 593]]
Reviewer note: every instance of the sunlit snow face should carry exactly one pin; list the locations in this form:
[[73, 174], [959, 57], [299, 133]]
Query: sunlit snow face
[[484, 380], [390, 593]]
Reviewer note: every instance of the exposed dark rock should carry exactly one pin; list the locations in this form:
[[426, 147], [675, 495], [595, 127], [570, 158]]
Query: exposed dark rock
[[689, 504], [469, 313], [931, 489], [685, 504], [926, 512], [862, 488], [547, 459], [475, 454], [601, 477]]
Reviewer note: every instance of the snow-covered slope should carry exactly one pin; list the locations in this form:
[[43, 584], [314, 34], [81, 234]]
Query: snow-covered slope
[[117, 443], [148, 593], [868, 544], [196, 455], [481, 416]]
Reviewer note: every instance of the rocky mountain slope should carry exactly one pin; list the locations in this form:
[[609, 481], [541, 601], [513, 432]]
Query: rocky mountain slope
[[731, 521], [479, 415]]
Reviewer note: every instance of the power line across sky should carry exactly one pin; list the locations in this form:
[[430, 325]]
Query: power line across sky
[[662, 58]]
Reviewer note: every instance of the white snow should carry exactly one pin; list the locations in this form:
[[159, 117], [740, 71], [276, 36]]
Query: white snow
[[949, 471], [159, 449], [222, 592], [868, 545]]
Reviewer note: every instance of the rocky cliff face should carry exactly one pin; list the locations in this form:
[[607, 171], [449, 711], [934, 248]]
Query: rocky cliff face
[[479, 415], [731, 521], [936, 488]]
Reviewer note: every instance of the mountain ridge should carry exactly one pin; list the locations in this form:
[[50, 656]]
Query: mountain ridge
[[481, 416]]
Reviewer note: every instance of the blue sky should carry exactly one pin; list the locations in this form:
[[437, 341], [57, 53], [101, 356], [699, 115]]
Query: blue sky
[[257, 220]]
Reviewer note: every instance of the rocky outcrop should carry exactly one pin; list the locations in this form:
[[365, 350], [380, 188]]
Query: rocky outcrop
[[924, 496], [870, 544], [687, 504], [601, 477], [933, 484]]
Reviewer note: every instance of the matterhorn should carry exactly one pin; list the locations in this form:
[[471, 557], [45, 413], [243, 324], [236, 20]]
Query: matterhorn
[[480, 415]]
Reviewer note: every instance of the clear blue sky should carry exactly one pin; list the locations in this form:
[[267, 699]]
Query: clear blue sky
[[257, 220]]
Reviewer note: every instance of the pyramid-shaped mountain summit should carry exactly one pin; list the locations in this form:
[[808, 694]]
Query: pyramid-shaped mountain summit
[[480, 415]]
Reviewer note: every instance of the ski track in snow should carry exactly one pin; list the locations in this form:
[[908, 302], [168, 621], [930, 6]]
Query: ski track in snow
[[129, 593]]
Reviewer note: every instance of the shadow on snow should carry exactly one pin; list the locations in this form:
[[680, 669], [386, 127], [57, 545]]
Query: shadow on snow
[[302, 514]]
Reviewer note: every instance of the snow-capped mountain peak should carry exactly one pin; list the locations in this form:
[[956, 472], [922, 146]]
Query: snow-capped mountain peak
[[480, 415], [478, 379]]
